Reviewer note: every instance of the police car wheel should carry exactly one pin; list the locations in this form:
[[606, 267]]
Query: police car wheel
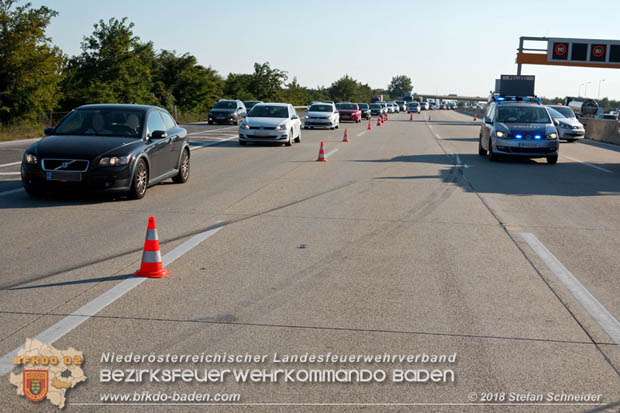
[[491, 155], [552, 160], [481, 150]]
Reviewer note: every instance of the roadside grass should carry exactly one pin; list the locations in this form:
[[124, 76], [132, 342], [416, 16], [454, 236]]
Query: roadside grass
[[14, 132]]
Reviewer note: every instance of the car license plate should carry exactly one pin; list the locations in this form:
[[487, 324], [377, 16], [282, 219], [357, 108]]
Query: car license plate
[[529, 145], [64, 176]]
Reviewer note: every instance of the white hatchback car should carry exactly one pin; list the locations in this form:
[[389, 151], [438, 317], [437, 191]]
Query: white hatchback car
[[271, 122], [322, 115]]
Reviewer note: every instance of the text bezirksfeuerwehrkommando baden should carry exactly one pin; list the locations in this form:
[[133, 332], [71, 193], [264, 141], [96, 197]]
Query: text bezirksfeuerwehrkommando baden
[[310, 358]]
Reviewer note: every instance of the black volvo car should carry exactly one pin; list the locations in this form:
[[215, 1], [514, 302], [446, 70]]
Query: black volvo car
[[111, 147]]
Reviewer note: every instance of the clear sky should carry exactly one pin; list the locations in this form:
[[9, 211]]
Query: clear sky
[[445, 46]]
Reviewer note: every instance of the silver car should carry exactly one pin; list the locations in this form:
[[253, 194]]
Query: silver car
[[518, 129], [322, 115], [569, 128], [414, 107], [271, 122]]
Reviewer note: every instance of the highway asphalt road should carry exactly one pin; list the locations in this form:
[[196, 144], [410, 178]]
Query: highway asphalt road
[[404, 242]]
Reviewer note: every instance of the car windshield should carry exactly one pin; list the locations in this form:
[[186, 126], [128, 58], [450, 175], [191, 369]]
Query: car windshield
[[375, 106], [565, 110], [320, 108], [362, 105], [225, 105], [555, 114], [102, 122], [522, 114], [349, 106], [268, 111]]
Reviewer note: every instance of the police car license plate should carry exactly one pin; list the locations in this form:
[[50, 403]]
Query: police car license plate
[[529, 145]]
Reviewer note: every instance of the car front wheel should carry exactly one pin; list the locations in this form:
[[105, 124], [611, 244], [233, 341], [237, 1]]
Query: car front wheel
[[183, 174], [481, 150], [552, 159], [140, 180]]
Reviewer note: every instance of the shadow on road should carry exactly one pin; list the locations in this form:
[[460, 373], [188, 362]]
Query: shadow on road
[[61, 284], [515, 176]]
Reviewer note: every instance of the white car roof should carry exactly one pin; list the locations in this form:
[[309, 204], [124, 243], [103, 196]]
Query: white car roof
[[272, 104]]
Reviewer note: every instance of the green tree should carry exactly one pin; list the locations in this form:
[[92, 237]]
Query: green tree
[[344, 89], [114, 67], [237, 86], [400, 86], [296, 94], [266, 83], [30, 66], [185, 83]]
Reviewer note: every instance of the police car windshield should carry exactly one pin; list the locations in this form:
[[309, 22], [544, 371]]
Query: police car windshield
[[522, 114]]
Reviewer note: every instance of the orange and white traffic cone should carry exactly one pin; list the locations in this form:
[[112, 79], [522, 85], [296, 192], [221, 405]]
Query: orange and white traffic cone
[[151, 265], [379, 120], [369, 127], [411, 116], [475, 118], [346, 136], [386, 117], [322, 157]]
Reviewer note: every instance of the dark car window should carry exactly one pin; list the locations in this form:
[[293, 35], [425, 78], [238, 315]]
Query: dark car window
[[564, 110], [102, 122], [155, 123], [348, 106], [320, 108], [362, 105], [168, 121], [522, 114], [268, 111], [226, 104]]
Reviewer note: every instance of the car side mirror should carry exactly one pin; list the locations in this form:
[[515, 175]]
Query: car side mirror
[[159, 134], [489, 121], [556, 122], [48, 131], [294, 117]]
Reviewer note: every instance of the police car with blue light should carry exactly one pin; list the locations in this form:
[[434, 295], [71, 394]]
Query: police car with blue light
[[517, 124]]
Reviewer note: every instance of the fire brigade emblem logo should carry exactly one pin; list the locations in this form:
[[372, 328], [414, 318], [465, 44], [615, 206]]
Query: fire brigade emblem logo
[[35, 384]]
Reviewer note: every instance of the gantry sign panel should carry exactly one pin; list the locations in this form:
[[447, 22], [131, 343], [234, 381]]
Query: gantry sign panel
[[597, 52]]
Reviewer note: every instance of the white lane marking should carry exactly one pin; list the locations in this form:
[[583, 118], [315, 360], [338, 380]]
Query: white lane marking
[[79, 316], [12, 191], [361, 133], [10, 164], [587, 300], [212, 130], [589, 164], [202, 145], [10, 173], [330, 153]]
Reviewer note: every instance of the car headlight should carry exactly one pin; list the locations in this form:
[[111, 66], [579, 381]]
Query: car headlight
[[244, 125], [500, 134], [30, 159], [115, 161], [552, 135], [306, 117], [281, 127], [566, 126]]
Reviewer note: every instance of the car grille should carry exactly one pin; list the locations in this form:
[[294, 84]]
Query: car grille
[[263, 127], [318, 117], [73, 165], [512, 149]]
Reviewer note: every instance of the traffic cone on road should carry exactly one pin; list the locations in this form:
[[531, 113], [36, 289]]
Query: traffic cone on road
[[411, 116], [379, 120], [151, 265], [386, 117], [475, 118], [322, 157], [346, 136], [369, 127]]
